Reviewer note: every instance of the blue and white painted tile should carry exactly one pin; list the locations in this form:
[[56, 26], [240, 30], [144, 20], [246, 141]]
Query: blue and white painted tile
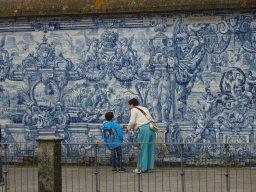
[[195, 72]]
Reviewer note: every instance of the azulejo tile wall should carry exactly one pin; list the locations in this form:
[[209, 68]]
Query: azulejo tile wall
[[196, 73]]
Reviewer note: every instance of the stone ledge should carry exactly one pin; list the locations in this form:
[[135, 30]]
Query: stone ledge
[[48, 138], [31, 8]]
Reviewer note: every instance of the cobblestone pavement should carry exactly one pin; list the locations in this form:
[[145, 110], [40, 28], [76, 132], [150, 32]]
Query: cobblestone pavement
[[83, 178]]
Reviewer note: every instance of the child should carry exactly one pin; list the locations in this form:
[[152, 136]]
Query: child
[[113, 134]]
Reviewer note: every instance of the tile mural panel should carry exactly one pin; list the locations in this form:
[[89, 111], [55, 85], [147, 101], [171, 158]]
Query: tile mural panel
[[195, 72]]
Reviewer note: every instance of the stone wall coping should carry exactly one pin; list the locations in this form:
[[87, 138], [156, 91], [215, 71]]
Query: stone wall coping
[[32, 8]]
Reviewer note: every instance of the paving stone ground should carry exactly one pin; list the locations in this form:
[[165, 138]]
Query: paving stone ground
[[82, 178]]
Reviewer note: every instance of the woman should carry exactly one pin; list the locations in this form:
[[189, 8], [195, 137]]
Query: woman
[[141, 124]]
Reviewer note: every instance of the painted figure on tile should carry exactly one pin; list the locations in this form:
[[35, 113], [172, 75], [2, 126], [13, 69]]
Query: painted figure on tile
[[189, 52], [5, 63], [91, 62], [92, 54], [234, 84], [28, 44], [201, 127], [235, 25], [67, 46], [209, 102], [100, 98], [62, 63], [45, 55], [125, 63], [59, 116], [118, 105], [128, 53], [154, 95], [164, 90], [235, 58], [250, 86], [151, 52]]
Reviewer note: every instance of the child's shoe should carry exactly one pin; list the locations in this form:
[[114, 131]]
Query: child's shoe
[[122, 170], [114, 170]]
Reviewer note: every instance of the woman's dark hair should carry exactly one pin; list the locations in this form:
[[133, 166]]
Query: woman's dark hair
[[133, 101], [109, 116]]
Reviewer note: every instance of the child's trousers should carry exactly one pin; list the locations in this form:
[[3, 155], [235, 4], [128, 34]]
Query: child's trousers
[[116, 152]]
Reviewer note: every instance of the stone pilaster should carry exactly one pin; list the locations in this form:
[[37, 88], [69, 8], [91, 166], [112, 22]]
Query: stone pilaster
[[49, 164]]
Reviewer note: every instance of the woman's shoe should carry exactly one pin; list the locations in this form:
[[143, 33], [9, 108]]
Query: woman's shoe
[[136, 171]]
